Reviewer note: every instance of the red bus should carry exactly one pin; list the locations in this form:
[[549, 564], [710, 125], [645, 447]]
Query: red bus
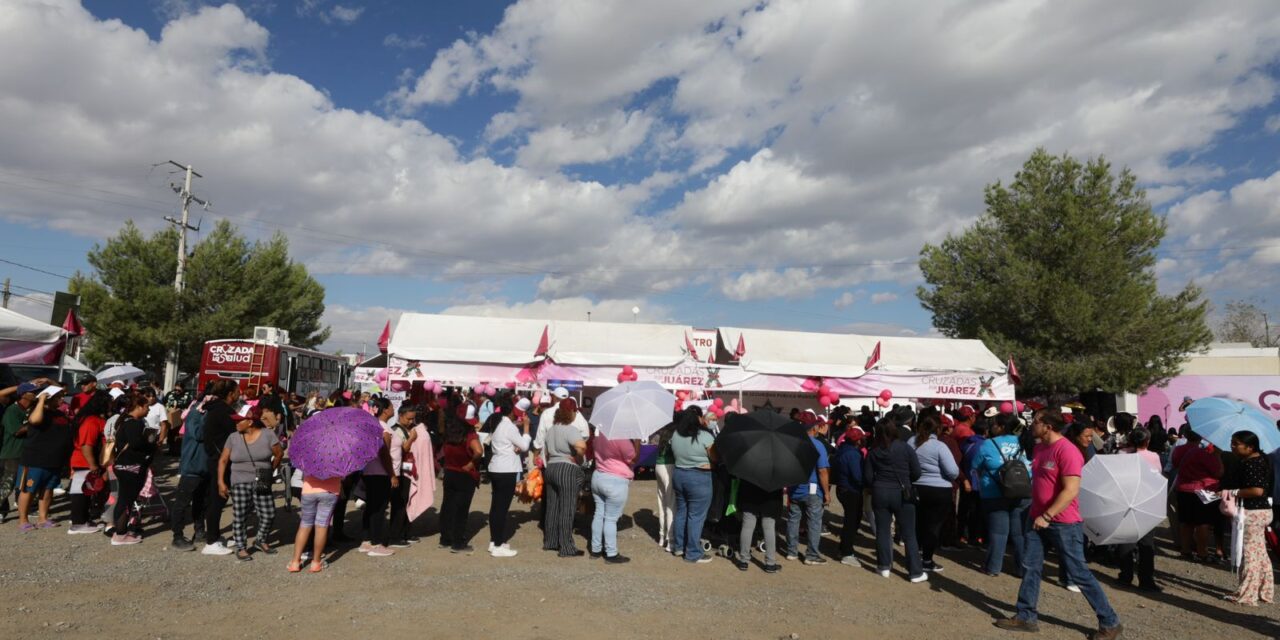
[[271, 359]]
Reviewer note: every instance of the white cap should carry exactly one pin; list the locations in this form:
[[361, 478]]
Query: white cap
[[115, 393], [1066, 410], [991, 412], [560, 392], [523, 404], [471, 412]]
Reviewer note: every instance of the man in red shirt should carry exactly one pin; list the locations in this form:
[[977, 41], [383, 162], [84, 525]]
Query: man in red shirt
[[1054, 520], [88, 385]]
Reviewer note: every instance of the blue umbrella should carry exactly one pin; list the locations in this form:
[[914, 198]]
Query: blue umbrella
[[1217, 419]]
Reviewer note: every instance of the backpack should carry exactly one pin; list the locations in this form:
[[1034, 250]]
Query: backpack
[[1013, 477]]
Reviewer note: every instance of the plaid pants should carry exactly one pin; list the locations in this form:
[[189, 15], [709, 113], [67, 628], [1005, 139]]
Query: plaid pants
[[243, 497]]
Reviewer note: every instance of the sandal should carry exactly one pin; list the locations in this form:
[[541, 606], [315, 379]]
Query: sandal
[[293, 567], [243, 555], [317, 568], [262, 546]]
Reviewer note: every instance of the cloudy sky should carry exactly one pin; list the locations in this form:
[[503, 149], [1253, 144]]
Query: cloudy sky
[[771, 164]]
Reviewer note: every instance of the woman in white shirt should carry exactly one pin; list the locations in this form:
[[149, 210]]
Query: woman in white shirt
[[507, 443]]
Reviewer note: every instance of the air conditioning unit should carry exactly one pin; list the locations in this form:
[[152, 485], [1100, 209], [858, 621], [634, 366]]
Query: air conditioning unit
[[270, 335]]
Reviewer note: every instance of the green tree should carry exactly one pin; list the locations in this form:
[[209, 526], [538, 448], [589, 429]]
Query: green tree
[[232, 286], [1059, 274]]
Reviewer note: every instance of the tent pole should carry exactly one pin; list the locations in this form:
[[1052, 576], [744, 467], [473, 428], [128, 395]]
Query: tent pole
[[62, 359]]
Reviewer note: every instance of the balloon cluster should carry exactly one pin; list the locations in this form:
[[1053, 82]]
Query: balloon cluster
[[827, 397], [628, 374], [1008, 407], [883, 400], [485, 389], [381, 377], [434, 387]]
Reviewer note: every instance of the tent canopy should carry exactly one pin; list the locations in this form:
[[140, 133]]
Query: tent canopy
[[617, 343], [838, 355], [442, 338], [25, 340]]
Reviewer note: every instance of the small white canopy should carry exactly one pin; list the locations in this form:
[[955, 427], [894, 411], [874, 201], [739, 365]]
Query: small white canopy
[[617, 344], [443, 338], [19, 328], [25, 340], [936, 354]]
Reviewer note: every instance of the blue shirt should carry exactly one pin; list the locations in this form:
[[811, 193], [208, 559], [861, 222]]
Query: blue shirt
[[846, 469], [938, 467], [802, 491]]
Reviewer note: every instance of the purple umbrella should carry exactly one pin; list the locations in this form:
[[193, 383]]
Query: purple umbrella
[[335, 442]]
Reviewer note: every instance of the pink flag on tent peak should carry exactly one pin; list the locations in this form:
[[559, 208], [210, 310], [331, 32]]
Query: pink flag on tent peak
[[1014, 377], [688, 344], [875, 357], [72, 324], [384, 341], [543, 344], [742, 348]]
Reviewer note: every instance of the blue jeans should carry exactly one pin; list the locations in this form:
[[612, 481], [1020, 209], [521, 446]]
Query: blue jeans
[[1069, 538], [693, 498], [1004, 525], [610, 493], [811, 508]]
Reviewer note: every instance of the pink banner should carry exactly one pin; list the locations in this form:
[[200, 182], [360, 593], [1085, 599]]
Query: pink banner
[[14, 352], [451, 374], [1262, 392], [940, 386]]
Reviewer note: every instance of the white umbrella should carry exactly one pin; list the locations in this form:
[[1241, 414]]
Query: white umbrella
[[119, 373], [1122, 498], [633, 410]]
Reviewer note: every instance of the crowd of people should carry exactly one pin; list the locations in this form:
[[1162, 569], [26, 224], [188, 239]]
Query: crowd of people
[[930, 480]]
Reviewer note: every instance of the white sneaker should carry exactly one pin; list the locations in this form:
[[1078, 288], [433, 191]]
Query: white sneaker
[[379, 551], [503, 551], [81, 529], [1073, 588], [216, 549], [920, 578], [365, 547], [490, 546], [59, 491], [852, 561], [885, 573]]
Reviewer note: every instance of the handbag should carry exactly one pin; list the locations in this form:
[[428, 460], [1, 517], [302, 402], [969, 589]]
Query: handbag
[[262, 478], [94, 483]]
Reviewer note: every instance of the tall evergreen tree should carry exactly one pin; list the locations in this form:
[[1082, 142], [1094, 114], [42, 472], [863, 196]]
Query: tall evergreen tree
[[1059, 274], [232, 286]]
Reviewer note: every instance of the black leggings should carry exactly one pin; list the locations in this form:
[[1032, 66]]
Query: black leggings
[[932, 511], [214, 503], [504, 489], [851, 501], [130, 486], [399, 511], [377, 495], [459, 488]]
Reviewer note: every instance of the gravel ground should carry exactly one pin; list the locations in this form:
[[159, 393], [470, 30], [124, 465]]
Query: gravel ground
[[80, 586]]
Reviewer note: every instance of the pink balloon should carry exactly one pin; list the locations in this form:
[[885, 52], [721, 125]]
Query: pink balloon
[[511, 385], [437, 388], [835, 399], [824, 390], [809, 384], [882, 402], [380, 377], [1006, 407], [824, 401], [1021, 407], [886, 395], [718, 403]]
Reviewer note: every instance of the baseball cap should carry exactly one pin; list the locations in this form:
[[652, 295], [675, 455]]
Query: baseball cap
[[967, 412], [27, 387], [560, 392], [523, 404]]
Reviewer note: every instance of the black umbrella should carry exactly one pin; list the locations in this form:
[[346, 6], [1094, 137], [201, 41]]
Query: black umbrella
[[766, 449]]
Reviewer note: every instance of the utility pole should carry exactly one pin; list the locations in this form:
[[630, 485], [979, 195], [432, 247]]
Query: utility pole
[[186, 197], [6, 293]]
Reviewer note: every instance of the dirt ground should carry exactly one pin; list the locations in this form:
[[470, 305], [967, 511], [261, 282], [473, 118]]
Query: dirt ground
[[80, 586]]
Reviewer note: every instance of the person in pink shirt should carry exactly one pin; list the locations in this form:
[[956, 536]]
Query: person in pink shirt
[[610, 485], [1145, 549], [1054, 520]]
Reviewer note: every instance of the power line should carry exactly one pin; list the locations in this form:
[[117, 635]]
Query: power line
[[50, 273]]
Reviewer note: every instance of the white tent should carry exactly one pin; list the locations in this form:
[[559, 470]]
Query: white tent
[[796, 353], [441, 338], [25, 340], [617, 344]]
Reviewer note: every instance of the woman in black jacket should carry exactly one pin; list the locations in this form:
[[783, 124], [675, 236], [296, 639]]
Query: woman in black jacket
[[134, 448], [891, 469]]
